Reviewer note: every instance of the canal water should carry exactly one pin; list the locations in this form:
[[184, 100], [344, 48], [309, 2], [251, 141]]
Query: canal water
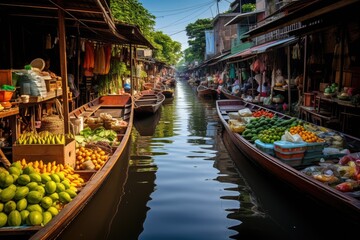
[[182, 183]]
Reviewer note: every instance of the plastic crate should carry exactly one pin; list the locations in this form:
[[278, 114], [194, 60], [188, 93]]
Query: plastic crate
[[265, 147], [292, 159], [289, 147], [311, 158], [315, 147]]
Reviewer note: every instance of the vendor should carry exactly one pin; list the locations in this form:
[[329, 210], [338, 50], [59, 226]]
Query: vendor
[[265, 89]]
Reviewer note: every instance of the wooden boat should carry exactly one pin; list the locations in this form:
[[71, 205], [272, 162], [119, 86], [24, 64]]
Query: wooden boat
[[148, 86], [117, 106], [148, 102], [227, 94], [205, 91], [347, 204], [164, 89]]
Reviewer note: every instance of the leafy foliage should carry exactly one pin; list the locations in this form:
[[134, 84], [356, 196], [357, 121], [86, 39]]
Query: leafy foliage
[[196, 34], [248, 7], [133, 12], [169, 51]]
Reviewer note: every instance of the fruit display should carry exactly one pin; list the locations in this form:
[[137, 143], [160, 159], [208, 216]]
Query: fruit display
[[43, 137], [307, 136], [276, 126], [90, 159], [262, 112], [33, 193]]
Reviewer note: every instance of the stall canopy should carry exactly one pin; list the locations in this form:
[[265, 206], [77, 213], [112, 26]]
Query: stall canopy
[[262, 48], [89, 18], [305, 11]]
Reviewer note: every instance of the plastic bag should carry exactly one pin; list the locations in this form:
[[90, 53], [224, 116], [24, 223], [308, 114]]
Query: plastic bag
[[291, 138], [236, 126], [246, 112]]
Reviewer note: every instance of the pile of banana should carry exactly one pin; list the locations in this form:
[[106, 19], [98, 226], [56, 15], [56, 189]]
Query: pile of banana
[[43, 137]]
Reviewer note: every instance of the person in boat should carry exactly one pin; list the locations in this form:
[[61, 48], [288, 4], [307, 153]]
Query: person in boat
[[250, 84], [235, 88]]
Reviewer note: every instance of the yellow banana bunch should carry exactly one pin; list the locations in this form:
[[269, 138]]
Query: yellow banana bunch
[[43, 137]]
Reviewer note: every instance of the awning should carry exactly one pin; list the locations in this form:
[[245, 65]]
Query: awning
[[305, 11], [273, 44], [242, 16], [261, 48], [90, 19], [217, 59]]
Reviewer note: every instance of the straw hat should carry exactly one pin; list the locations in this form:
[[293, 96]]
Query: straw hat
[[38, 63]]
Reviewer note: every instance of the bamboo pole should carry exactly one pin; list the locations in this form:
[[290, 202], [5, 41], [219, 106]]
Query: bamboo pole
[[63, 64]]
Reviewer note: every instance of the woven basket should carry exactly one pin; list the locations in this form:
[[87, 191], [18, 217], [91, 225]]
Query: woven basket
[[52, 123], [93, 126]]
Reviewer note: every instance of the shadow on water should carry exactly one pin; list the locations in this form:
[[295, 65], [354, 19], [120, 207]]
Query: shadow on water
[[98, 218]]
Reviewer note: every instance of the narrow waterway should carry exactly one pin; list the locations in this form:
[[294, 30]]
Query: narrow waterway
[[182, 184]]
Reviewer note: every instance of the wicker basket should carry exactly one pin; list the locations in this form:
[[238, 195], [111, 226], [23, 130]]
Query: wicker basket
[[95, 125], [52, 123]]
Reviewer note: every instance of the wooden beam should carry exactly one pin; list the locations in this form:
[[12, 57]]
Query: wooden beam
[[63, 64], [51, 7]]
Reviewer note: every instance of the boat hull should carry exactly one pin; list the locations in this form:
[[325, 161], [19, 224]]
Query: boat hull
[[204, 91], [335, 199], [95, 179], [148, 103]]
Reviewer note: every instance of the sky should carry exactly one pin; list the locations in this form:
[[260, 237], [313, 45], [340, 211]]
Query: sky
[[172, 16]]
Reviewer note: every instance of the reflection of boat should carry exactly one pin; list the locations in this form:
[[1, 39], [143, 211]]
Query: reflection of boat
[[146, 125], [205, 91], [148, 102], [121, 106], [345, 203]]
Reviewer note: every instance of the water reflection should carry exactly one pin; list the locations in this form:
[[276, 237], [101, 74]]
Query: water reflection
[[182, 183]]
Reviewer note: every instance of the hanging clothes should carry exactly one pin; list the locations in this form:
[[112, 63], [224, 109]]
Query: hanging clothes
[[232, 71], [107, 51], [89, 61], [99, 60], [296, 52]]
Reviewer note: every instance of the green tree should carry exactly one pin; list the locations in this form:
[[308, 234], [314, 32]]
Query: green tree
[[133, 12], [168, 51], [196, 33]]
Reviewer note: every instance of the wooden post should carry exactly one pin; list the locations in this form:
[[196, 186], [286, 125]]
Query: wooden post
[[341, 70], [131, 71], [63, 64], [288, 77], [305, 66]]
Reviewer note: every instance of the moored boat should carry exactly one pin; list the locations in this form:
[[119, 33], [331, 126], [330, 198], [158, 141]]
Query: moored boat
[[119, 106], [227, 94], [148, 102], [297, 172], [164, 89], [205, 91]]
